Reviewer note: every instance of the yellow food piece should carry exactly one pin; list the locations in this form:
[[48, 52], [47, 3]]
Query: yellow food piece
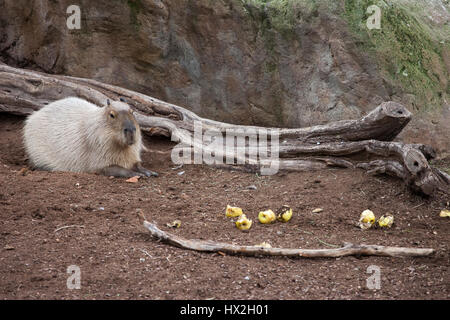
[[243, 223], [264, 245], [367, 216], [367, 219], [233, 212], [284, 214], [386, 221], [317, 210], [174, 224], [267, 216], [444, 213]]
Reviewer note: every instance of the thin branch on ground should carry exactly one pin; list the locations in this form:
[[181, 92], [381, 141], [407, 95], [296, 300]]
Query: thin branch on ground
[[348, 249]]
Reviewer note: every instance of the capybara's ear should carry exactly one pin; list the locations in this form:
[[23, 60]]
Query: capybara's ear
[[108, 103]]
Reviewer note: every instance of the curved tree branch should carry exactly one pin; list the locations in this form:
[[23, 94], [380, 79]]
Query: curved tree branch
[[364, 143]]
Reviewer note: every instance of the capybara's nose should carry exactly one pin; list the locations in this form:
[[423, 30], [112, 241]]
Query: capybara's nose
[[129, 132], [129, 127]]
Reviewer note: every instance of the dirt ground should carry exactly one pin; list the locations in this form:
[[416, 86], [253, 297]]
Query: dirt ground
[[118, 259]]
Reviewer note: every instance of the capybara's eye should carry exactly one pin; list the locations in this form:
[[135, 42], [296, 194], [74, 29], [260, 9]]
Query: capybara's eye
[[112, 115]]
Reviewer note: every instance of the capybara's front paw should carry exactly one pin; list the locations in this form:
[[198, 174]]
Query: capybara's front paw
[[149, 173]]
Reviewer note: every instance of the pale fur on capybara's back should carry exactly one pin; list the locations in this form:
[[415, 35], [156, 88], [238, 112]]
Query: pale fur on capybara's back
[[72, 135]]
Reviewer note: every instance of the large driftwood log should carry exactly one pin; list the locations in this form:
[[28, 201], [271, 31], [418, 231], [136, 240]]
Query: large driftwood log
[[363, 143], [347, 250]]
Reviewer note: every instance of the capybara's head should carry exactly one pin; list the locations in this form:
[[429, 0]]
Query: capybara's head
[[121, 123]]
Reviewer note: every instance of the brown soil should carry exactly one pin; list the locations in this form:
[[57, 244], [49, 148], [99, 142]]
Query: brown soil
[[119, 260]]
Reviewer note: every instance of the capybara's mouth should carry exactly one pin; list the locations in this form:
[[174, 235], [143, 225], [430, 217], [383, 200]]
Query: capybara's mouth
[[129, 137]]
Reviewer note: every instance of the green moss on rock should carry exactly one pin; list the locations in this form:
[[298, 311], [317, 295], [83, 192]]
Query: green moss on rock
[[135, 7], [283, 15], [406, 49]]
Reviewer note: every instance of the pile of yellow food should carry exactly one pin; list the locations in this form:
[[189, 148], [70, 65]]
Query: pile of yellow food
[[284, 214], [367, 220]]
